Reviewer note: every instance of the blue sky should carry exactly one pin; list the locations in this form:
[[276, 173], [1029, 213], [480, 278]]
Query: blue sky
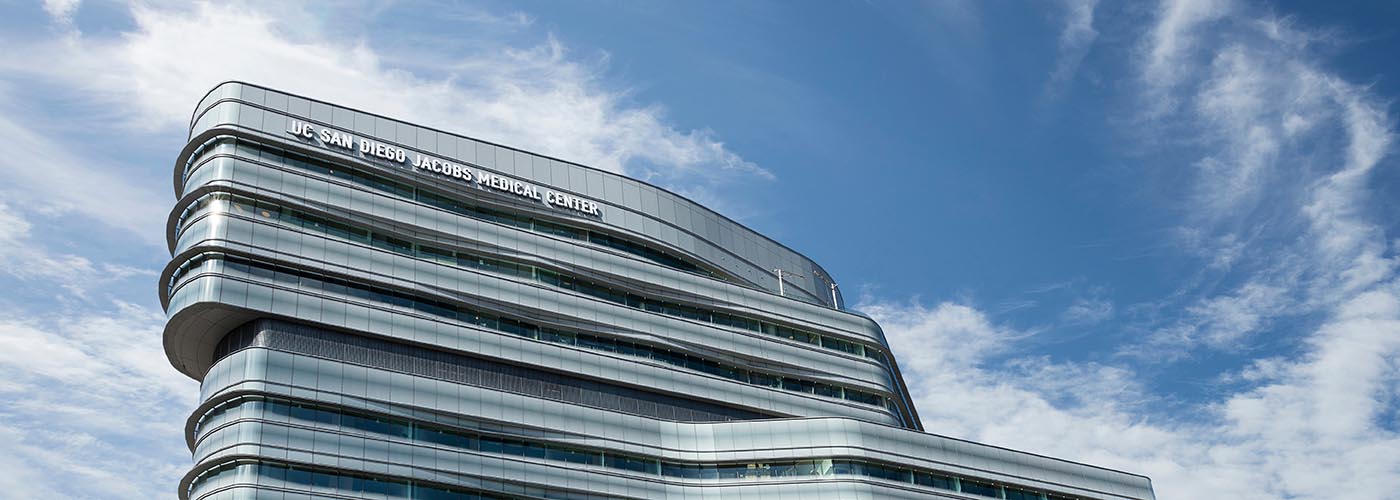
[[1159, 237]]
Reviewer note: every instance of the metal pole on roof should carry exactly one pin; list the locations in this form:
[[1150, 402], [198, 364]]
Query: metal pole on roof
[[831, 283], [780, 272]]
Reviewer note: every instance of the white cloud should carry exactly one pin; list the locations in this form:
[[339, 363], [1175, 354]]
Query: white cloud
[[85, 395], [1283, 181], [1076, 39], [1173, 36], [959, 335], [62, 10], [1281, 136], [1343, 239], [48, 175], [1309, 432], [1281, 208], [1235, 101], [538, 98], [27, 259], [1088, 311], [92, 409], [1280, 197], [1226, 321]]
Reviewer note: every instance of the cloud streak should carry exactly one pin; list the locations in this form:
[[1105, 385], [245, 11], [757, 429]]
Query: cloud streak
[[1076, 39], [92, 409], [47, 175], [26, 259], [1305, 431], [1278, 213], [1169, 44], [84, 397], [535, 97], [1284, 223], [62, 10]]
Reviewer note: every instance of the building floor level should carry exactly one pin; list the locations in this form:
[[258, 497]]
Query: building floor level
[[380, 310]]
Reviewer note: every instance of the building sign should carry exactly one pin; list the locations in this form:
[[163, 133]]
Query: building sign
[[479, 178]]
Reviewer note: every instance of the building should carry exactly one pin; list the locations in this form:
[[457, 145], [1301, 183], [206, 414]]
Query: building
[[381, 310]]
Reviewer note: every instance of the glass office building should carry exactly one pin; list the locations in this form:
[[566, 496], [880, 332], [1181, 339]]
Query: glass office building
[[381, 310]]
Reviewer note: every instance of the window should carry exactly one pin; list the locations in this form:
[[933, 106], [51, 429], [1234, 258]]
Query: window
[[933, 480], [1020, 494], [632, 463], [531, 448], [279, 156], [392, 244], [521, 328], [980, 488]]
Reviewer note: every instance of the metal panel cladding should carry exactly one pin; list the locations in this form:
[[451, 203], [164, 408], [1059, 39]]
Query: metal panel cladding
[[377, 309]]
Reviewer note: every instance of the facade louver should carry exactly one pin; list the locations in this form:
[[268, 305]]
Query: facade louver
[[376, 309]]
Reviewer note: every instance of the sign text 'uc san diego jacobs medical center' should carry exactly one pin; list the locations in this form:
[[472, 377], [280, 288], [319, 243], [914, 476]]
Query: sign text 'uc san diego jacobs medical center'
[[480, 178]]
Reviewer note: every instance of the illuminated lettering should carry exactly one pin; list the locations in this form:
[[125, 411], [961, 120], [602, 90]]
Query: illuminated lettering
[[562, 200], [301, 129], [481, 178], [341, 139], [379, 150]]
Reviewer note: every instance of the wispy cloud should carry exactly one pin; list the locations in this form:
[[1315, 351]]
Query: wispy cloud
[[969, 382], [92, 408], [84, 395], [62, 10], [1225, 321], [1290, 148], [28, 260], [1279, 215], [1076, 39], [537, 97], [1088, 311], [1285, 151], [85, 382], [1284, 227], [1301, 432], [1168, 46], [45, 174]]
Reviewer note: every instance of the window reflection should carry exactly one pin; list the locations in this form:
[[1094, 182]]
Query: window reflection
[[302, 413], [601, 291], [314, 281], [449, 203]]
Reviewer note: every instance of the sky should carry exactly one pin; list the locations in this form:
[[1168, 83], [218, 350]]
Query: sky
[[1159, 237]]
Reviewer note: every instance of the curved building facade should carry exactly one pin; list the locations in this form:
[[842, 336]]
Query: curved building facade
[[376, 309]]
